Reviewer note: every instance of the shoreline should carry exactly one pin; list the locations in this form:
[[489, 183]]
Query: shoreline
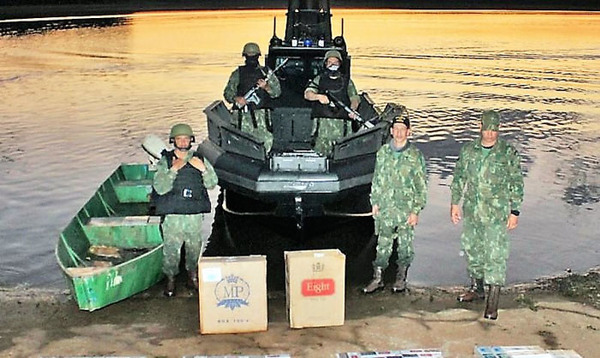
[[81, 8], [548, 314], [578, 286]]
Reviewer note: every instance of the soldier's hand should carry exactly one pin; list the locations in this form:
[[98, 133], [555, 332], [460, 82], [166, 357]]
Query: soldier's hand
[[375, 210], [198, 164], [513, 222], [262, 83], [455, 214], [323, 99], [178, 163], [413, 219], [240, 101]]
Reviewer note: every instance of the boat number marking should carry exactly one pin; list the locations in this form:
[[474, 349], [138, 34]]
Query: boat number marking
[[113, 280]]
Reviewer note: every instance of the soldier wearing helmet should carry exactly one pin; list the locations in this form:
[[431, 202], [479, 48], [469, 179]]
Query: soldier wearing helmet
[[489, 180], [181, 182], [398, 194], [252, 118], [330, 121]]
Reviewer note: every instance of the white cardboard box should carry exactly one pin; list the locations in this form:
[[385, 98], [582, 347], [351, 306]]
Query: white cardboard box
[[232, 294], [412, 353], [511, 352], [315, 287]]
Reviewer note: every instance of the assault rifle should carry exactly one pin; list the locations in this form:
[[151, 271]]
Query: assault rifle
[[251, 96], [334, 101]]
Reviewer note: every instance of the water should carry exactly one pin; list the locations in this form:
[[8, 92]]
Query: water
[[78, 97]]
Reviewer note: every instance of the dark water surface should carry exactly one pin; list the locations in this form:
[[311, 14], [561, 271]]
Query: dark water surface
[[78, 96]]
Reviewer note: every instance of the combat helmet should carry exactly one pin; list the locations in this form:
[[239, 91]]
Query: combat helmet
[[181, 129], [251, 49], [333, 53]]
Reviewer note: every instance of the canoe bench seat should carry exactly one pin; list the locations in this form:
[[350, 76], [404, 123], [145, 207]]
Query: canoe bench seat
[[124, 231], [134, 191]]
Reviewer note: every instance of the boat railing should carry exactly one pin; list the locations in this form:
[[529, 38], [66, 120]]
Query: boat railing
[[223, 133]]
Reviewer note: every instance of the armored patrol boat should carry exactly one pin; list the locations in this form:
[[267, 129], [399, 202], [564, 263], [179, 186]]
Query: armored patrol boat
[[292, 180]]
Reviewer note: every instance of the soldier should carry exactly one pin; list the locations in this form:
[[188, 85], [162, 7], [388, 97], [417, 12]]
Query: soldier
[[330, 121], [252, 118], [181, 180], [398, 194], [489, 179]]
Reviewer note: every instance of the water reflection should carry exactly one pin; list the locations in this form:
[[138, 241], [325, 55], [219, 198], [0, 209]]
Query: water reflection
[[33, 27], [78, 99]]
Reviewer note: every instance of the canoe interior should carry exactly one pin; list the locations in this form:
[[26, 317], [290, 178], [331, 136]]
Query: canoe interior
[[112, 248]]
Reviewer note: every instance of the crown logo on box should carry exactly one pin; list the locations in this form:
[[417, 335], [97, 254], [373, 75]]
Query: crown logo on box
[[318, 267], [231, 279]]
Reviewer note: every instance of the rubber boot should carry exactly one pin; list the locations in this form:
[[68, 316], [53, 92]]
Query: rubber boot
[[170, 287], [475, 292], [192, 282], [400, 284], [377, 281], [491, 305]]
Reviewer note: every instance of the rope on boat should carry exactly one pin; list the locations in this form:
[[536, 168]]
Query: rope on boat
[[354, 215], [245, 213]]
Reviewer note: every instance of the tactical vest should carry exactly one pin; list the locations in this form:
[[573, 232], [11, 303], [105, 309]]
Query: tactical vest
[[248, 78], [339, 88], [188, 196]]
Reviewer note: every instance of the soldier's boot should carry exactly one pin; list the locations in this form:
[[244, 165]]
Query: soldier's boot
[[400, 284], [475, 292], [377, 281], [491, 305], [192, 282], [170, 287]]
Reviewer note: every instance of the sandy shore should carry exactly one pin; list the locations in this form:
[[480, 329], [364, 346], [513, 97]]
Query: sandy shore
[[558, 313]]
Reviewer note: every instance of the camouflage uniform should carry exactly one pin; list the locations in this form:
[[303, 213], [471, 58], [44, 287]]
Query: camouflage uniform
[[261, 131], [399, 188], [493, 186], [330, 130], [178, 229]]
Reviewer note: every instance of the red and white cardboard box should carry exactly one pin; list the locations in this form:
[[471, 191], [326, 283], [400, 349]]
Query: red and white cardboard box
[[315, 287]]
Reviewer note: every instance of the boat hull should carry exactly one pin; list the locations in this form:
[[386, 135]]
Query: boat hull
[[116, 218]]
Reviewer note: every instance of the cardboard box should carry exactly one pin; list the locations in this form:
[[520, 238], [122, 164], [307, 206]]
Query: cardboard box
[[511, 352], [563, 353], [315, 287], [238, 356], [233, 294], [405, 353]]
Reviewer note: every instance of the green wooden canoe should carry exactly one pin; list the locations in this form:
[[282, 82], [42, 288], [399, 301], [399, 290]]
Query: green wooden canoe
[[112, 248]]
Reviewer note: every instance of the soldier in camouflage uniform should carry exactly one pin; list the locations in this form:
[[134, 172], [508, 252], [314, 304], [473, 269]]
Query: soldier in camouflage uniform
[[180, 183], [398, 194], [330, 121], [488, 178], [252, 118]]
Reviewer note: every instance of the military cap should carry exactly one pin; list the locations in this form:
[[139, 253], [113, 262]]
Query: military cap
[[490, 121], [402, 118]]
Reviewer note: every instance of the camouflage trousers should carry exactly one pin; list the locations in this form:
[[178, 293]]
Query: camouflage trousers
[[386, 234], [261, 132], [328, 131], [178, 230], [486, 246]]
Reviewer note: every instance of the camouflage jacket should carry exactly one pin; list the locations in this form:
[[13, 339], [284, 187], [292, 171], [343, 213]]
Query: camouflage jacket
[[399, 185], [164, 177], [491, 185], [229, 93]]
